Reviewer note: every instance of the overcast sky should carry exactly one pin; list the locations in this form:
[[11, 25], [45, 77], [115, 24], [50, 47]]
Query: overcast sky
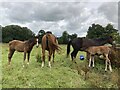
[[72, 16]]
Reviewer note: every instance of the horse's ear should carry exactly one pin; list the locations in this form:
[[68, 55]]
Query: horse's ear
[[110, 36], [49, 32], [36, 36]]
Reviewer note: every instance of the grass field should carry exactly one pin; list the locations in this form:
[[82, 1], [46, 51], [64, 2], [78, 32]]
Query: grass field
[[63, 74]]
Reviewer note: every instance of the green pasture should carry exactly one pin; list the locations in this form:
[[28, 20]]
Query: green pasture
[[63, 74]]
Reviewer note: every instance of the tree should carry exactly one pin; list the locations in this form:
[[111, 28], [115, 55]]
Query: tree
[[41, 34], [65, 37], [112, 32], [118, 39], [98, 31], [95, 31], [73, 36], [12, 32]]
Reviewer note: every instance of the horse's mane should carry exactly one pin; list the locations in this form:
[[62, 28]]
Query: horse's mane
[[103, 38], [29, 40]]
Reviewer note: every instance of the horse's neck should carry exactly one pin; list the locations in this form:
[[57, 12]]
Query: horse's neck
[[30, 44], [100, 42]]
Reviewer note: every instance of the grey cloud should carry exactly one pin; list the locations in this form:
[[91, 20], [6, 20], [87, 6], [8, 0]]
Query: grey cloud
[[29, 11], [56, 11], [18, 12], [110, 10], [75, 17]]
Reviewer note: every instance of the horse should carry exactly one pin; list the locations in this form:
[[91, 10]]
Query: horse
[[81, 43], [49, 43], [21, 46], [99, 50]]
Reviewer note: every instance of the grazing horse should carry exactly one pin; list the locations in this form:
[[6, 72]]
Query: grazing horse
[[49, 43], [21, 46], [80, 44], [99, 50]]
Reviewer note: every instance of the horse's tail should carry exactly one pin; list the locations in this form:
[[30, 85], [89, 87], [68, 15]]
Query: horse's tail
[[10, 43], [68, 47], [53, 42], [57, 47]]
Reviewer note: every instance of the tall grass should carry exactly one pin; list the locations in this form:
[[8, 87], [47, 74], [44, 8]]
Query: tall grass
[[63, 74]]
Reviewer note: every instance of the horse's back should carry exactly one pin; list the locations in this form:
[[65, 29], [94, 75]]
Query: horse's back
[[88, 43], [77, 43], [49, 41], [15, 42], [98, 49], [16, 45]]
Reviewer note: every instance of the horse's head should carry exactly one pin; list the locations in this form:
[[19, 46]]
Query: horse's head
[[111, 40], [36, 41]]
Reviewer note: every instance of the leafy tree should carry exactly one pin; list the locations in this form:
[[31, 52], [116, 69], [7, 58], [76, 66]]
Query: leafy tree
[[66, 37], [95, 31], [98, 31], [12, 32], [73, 36], [112, 32], [40, 34], [118, 39]]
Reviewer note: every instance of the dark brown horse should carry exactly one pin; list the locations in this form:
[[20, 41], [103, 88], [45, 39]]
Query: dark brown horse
[[80, 44], [21, 46], [49, 43]]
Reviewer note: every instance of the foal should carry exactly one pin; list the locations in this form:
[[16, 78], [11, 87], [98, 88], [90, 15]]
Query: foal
[[21, 46], [99, 50]]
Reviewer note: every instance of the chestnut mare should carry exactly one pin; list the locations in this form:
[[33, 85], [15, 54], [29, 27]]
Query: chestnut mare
[[49, 43], [21, 46], [99, 50]]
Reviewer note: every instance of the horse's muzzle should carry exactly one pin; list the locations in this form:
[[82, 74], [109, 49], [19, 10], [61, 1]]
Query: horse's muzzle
[[37, 46]]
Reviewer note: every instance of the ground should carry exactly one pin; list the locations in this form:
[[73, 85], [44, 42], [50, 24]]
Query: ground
[[63, 74]]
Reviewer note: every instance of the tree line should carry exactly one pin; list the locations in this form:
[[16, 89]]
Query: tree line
[[12, 32]]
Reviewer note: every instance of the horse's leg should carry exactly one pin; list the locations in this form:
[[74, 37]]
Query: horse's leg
[[93, 61], [87, 55], [106, 65], [76, 51], [49, 58], [28, 57], [90, 61], [106, 62], [24, 58], [43, 58], [53, 55], [73, 54], [11, 52], [110, 68]]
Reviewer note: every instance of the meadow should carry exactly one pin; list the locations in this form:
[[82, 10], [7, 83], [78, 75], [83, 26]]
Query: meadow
[[63, 74]]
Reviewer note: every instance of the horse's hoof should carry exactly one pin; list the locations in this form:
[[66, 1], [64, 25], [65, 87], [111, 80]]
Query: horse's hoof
[[111, 71], [42, 66], [49, 66], [27, 63]]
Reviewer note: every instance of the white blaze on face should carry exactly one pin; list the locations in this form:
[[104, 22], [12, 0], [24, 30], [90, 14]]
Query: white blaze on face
[[37, 42]]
